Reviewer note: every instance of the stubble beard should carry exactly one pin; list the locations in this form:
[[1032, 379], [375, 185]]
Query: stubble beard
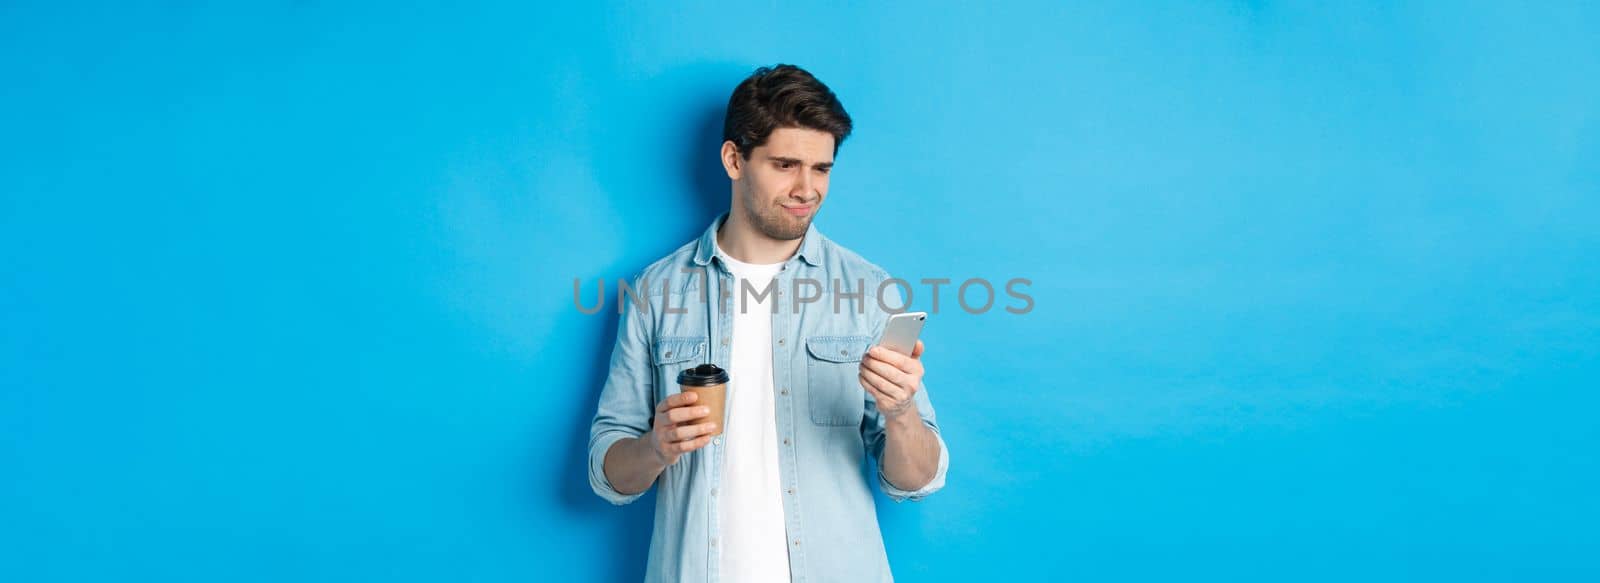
[[772, 220]]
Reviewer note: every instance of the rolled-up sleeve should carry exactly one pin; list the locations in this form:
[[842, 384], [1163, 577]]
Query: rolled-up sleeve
[[874, 436], [626, 400]]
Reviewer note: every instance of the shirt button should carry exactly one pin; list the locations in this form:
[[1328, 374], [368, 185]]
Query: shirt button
[[718, 440], [797, 542], [780, 343], [713, 491], [791, 491], [786, 441], [784, 392], [714, 542], [724, 340]]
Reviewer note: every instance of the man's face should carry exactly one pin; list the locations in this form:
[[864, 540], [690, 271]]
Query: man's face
[[780, 187]]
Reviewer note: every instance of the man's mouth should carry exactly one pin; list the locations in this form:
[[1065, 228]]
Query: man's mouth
[[799, 210]]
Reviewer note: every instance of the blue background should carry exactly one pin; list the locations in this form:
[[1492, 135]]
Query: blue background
[[287, 288]]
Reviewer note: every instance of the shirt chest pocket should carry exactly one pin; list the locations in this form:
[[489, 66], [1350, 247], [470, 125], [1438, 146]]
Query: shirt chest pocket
[[832, 375], [673, 354]]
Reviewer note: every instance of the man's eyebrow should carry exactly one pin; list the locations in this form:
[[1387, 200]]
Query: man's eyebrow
[[798, 162]]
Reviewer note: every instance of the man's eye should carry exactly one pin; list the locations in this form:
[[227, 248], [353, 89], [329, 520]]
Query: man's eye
[[785, 165], [823, 170]]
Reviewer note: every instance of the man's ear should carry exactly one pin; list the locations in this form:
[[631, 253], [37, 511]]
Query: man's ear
[[732, 162]]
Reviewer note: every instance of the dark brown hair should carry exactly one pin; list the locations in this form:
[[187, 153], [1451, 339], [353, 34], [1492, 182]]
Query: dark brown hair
[[782, 96]]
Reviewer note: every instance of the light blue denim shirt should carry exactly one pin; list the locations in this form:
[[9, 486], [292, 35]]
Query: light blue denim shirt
[[828, 425]]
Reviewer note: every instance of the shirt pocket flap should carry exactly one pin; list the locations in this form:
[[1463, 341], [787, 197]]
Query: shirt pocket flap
[[838, 348], [675, 350]]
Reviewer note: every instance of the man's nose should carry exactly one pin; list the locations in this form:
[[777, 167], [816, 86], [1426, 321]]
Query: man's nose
[[803, 186]]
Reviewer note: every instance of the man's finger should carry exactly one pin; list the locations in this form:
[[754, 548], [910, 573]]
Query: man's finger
[[917, 351], [691, 445], [667, 403], [889, 356], [688, 432], [676, 400], [900, 362], [871, 388], [681, 414], [884, 369], [890, 390]]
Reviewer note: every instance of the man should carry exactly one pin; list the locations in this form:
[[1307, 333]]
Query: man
[[781, 495]]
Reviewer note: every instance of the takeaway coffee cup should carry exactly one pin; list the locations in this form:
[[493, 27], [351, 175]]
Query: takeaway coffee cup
[[711, 383]]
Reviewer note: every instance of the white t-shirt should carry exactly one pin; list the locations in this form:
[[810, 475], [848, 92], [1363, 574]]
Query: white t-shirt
[[754, 540]]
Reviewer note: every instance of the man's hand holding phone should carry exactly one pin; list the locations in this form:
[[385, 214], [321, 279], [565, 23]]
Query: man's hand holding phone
[[892, 379]]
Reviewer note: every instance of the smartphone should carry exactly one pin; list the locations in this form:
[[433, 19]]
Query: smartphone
[[900, 334]]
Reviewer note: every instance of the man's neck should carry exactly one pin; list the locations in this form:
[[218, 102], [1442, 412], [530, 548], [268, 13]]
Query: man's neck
[[743, 242]]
